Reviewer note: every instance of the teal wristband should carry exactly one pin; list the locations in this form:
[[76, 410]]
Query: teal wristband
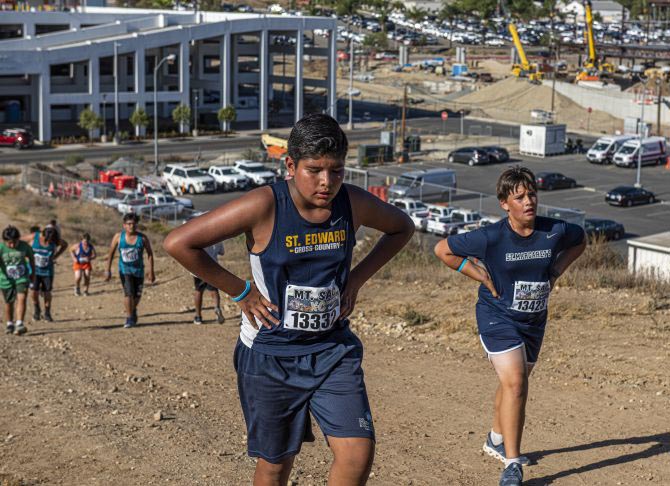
[[465, 260], [244, 293]]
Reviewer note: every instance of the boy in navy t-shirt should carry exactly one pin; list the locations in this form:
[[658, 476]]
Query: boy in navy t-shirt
[[520, 258]]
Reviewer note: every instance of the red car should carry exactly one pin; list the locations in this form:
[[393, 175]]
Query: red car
[[16, 137]]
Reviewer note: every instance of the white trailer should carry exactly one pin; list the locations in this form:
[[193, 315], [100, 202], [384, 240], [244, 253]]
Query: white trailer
[[650, 255], [542, 140]]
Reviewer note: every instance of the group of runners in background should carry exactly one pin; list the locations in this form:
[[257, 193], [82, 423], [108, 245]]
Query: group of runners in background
[[296, 355]]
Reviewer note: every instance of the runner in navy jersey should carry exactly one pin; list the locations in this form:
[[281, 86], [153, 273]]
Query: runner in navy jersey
[[296, 355], [517, 261]]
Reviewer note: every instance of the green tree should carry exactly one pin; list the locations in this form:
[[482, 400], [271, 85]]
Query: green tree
[[450, 12], [376, 40], [90, 121], [139, 119], [416, 14], [384, 9], [346, 7], [226, 116], [182, 115]]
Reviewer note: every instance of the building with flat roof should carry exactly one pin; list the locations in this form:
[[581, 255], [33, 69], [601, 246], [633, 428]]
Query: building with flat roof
[[55, 64]]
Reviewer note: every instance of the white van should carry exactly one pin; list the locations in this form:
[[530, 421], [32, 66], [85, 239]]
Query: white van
[[605, 147], [422, 183], [654, 151]]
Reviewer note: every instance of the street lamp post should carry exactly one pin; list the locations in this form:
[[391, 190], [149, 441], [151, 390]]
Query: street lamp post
[[642, 129], [350, 125], [195, 118], [104, 117], [116, 92], [169, 58]]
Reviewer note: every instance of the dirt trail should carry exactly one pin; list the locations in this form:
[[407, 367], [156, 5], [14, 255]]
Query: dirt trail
[[79, 396]]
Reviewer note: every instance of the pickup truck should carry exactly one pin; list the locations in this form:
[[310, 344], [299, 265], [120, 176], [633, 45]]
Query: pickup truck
[[258, 174], [449, 225], [408, 205], [152, 204], [228, 178]]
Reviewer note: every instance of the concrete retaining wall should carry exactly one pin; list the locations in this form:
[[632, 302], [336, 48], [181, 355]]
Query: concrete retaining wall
[[618, 104]]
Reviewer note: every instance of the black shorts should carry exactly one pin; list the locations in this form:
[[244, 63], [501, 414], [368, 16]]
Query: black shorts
[[42, 283], [132, 285], [201, 285]]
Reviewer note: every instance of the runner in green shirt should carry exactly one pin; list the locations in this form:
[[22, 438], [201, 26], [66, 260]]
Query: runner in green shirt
[[16, 264]]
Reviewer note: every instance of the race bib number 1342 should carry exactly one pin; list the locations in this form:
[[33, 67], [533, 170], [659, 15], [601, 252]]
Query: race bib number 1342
[[531, 296]]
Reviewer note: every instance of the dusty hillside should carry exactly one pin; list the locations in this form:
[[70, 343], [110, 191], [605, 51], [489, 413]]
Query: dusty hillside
[[512, 99], [81, 397]]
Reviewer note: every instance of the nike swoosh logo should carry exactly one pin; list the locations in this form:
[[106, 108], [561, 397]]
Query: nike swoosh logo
[[551, 235], [333, 223]]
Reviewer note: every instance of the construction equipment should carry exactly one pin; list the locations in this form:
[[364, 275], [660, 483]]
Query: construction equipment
[[593, 69], [275, 147], [525, 69]]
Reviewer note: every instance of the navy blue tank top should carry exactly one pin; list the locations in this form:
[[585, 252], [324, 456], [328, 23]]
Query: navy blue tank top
[[303, 270]]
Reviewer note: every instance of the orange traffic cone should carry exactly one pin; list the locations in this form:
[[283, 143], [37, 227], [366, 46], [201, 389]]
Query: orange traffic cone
[[667, 162]]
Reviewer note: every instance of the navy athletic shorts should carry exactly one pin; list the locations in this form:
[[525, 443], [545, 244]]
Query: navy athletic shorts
[[278, 393], [504, 337]]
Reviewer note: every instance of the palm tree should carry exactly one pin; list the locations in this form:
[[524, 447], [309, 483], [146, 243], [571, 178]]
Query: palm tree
[[384, 9], [450, 12]]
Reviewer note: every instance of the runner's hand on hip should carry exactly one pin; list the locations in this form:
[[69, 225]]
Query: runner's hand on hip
[[257, 308], [349, 297]]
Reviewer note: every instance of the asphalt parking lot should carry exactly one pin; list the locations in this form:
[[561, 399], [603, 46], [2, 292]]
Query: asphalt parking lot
[[593, 183]]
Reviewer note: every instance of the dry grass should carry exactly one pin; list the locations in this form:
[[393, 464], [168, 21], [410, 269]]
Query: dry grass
[[75, 217]]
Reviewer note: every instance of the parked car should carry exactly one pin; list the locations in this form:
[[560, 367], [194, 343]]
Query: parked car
[[439, 226], [437, 212], [497, 154], [554, 180], [629, 195], [189, 179], [607, 228], [469, 155], [408, 205], [153, 205], [16, 137], [420, 219], [463, 217], [228, 178], [256, 172]]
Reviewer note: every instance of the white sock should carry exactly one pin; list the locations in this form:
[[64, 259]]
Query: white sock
[[9, 323], [496, 438], [513, 459], [19, 323]]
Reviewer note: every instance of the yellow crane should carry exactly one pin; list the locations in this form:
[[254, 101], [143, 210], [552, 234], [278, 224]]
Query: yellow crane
[[525, 69], [592, 69]]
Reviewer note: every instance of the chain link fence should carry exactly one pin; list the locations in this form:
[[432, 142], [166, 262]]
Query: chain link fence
[[59, 186]]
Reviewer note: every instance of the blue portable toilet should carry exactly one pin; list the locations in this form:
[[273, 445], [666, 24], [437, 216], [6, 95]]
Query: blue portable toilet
[[459, 69]]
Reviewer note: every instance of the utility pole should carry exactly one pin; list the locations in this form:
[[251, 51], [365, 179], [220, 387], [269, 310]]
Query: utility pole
[[403, 124], [659, 85], [350, 125]]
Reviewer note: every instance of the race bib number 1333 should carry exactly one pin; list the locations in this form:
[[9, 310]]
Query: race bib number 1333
[[313, 309]]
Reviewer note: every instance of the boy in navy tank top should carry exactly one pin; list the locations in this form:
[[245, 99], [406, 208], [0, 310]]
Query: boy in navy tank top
[[296, 355], [522, 256]]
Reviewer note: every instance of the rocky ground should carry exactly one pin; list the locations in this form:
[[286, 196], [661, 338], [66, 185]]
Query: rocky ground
[[85, 401]]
